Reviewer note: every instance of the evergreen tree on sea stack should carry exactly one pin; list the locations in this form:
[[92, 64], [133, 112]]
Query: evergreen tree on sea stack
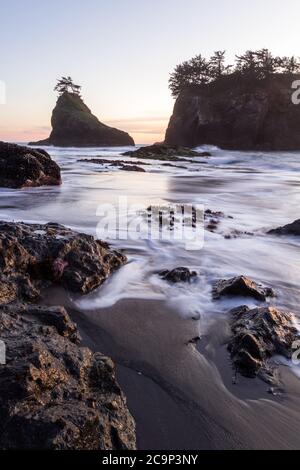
[[66, 85], [258, 65]]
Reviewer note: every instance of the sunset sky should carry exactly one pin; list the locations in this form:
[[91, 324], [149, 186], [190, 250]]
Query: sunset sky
[[122, 52]]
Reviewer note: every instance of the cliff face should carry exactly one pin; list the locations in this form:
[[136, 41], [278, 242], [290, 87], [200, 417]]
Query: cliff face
[[75, 126], [238, 114]]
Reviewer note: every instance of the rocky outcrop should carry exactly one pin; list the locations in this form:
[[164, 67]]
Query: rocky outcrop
[[178, 275], [290, 229], [23, 167], [237, 113], [56, 395], [257, 335], [241, 286], [75, 126], [34, 256], [165, 152], [121, 164]]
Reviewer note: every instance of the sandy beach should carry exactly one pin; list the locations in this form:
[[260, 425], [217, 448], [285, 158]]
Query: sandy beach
[[181, 396]]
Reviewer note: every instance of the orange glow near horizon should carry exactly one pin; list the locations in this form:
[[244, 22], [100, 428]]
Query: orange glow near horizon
[[142, 130]]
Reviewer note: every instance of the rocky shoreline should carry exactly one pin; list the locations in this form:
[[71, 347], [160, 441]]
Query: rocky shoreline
[[65, 395], [257, 334], [55, 394]]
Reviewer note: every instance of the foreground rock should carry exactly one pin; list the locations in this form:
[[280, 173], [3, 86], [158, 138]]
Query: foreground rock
[[258, 335], [33, 256], [165, 152], [178, 275], [22, 167], [237, 113], [241, 286], [290, 229], [75, 126], [54, 394]]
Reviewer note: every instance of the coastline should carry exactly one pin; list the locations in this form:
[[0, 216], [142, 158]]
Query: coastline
[[176, 392], [181, 391]]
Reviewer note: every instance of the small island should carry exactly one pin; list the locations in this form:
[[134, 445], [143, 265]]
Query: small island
[[74, 125], [247, 106]]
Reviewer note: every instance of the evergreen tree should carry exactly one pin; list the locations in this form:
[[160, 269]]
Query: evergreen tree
[[218, 66], [290, 65], [255, 65], [267, 65], [66, 85], [193, 72], [246, 64]]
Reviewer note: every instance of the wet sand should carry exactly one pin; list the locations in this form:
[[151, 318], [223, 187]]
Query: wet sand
[[182, 396]]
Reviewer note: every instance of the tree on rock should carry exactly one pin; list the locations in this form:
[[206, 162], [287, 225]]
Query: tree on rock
[[66, 85], [218, 66], [252, 65], [196, 71], [246, 64], [290, 65]]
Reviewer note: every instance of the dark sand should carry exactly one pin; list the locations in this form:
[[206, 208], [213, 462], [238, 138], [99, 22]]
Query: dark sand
[[183, 397]]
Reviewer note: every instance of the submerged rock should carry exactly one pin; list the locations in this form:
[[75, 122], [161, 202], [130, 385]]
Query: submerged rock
[[178, 275], [132, 168], [56, 395], [22, 167], [102, 161], [75, 126], [165, 152], [259, 334], [241, 286], [33, 256], [121, 164], [290, 229]]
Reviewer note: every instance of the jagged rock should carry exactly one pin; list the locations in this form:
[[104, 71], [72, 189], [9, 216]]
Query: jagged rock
[[54, 394], [216, 214], [22, 167], [259, 334], [178, 275], [290, 229], [33, 255], [237, 113], [213, 219], [132, 168], [241, 286], [75, 126], [165, 152], [235, 233]]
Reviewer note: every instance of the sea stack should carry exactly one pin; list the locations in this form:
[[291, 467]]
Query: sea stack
[[238, 114], [74, 125]]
